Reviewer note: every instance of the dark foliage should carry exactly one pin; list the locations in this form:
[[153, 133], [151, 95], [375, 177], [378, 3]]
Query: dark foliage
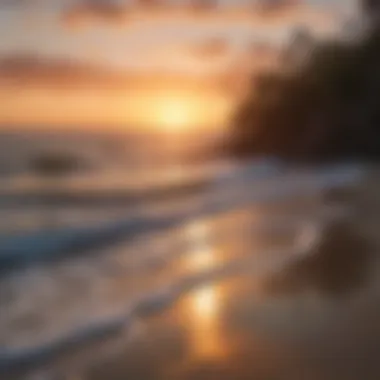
[[327, 110]]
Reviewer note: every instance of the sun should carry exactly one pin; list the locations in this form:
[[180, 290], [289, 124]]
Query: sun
[[176, 114]]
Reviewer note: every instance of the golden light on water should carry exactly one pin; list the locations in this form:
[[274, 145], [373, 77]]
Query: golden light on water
[[198, 235], [203, 305], [201, 259]]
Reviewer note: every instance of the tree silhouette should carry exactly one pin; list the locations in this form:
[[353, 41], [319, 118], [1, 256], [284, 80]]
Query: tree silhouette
[[328, 109], [370, 6]]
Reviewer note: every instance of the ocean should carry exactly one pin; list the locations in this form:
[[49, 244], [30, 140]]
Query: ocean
[[141, 264]]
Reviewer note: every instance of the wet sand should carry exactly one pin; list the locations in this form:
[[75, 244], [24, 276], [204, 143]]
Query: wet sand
[[314, 317]]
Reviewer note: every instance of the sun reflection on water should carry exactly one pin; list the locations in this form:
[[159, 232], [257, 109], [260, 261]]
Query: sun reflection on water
[[202, 308], [205, 302]]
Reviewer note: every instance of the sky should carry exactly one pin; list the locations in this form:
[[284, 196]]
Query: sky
[[59, 47], [143, 40]]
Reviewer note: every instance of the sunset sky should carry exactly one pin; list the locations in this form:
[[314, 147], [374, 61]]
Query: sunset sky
[[116, 37], [145, 41]]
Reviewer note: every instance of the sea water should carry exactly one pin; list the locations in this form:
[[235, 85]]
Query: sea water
[[100, 252]]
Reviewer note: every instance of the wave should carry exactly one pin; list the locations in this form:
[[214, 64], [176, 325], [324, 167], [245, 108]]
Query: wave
[[222, 196], [152, 303], [239, 192], [100, 190]]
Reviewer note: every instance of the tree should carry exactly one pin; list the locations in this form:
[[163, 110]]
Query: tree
[[328, 109], [371, 9], [370, 6]]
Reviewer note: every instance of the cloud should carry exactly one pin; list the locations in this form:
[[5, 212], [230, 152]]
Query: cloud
[[273, 6], [85, 12], [12, 3], [29, 69], [23, 71], [89, 11], [210, 48]]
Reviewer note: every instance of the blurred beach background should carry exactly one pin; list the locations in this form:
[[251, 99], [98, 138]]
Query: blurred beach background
[[133, 244]]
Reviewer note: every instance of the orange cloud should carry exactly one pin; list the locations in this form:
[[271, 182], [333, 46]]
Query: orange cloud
[[21, 71], [261, 13], [90, 11]]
